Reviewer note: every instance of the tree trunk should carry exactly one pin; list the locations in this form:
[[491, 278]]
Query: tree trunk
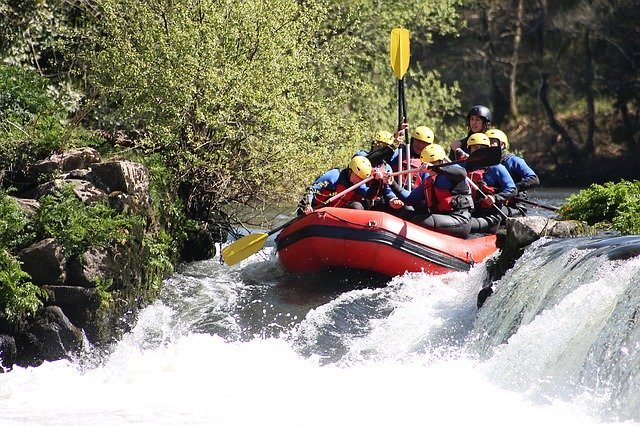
[[513, 77], [499, 102], [627, 123], [543, 96], [553, 122], [589, 146]]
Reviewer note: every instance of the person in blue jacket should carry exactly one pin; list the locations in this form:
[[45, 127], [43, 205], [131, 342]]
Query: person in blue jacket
[[495, 187], [442, 200], [523, 175], [335, 181]]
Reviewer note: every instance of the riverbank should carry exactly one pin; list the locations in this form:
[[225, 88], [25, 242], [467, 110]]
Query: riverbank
[[89, 251]]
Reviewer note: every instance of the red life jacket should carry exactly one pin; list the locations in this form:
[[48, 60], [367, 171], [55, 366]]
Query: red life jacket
[[438, 200], [477, 176], [324, 194]]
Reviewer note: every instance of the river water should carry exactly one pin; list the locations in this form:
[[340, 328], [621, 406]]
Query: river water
[[557, 343]]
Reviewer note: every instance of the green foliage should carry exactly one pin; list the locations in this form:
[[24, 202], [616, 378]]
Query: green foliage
[[159, 264], [617, 204], [32, 123], [102, 287], [221, 88], [162, 190], [248, 101], [359, 34], [23, 95], [79, 227], [15, 232], [18, 296], [29, 119], [42, 34]]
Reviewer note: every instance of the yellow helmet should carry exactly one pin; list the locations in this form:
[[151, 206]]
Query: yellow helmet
[[432, 152], [382, 136], [498, 134], [361, 166], [424, 134], [478, 139]]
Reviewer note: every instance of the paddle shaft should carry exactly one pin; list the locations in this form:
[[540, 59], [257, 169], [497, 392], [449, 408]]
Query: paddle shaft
[[401, 117], [474, 186], [399, 53], [433, 166], [407, 141], [542, 206]]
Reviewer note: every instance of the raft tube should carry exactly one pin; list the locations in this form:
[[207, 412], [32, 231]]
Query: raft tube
[[375, 241]]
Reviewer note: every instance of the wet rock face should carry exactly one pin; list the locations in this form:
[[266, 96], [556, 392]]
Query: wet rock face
[[94, 295], [45, 262], [8, 351], [51, 336], [79, 158], [520, 232], [76, 285]]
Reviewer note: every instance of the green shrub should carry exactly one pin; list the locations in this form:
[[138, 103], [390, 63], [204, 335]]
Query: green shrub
[[617, 204], [79, 227], [31, 122], [18, 296], [102, 287], [159, 264], [15, 232], [23, 95]]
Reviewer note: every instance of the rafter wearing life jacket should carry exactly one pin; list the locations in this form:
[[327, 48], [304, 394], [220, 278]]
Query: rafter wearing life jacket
[[443, 200], [383, 145], [437, 199], [335, 181], [523, 176], [325, 189], [494, 181]]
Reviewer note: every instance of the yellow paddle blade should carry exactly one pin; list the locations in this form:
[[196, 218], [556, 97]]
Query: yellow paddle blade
[[399, 51], [243, 248]]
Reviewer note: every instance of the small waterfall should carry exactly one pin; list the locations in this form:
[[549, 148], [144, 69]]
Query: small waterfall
[[564, 321]]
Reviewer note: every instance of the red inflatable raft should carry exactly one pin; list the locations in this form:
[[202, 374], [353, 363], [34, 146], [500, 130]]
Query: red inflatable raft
[[374, 241]]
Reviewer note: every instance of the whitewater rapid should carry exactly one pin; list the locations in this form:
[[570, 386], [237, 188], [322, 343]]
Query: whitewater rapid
[[236, 346]]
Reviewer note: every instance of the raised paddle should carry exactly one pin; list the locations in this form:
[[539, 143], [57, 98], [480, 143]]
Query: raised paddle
[[399, 55], [253, 243], [481, 158], [542, 206]]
